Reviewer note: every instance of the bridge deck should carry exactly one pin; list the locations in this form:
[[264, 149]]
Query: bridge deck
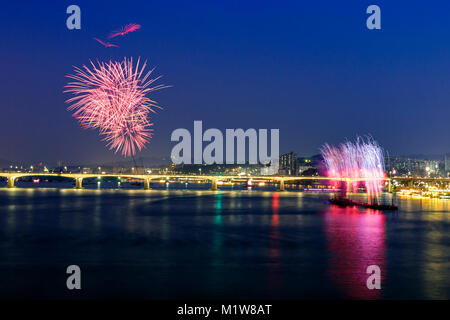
[[147, 178]]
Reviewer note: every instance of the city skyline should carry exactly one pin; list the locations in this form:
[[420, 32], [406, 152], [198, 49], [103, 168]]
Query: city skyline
[[161, 160], [289, 164]]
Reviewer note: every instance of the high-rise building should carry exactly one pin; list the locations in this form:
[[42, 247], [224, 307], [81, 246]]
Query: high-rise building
[[288, 164]]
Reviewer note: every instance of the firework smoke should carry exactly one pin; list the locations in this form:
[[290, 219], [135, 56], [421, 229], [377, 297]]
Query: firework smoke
[[112, 97], [361, 161]]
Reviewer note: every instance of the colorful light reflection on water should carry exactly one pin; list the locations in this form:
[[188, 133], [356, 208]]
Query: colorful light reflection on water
[[355, 240], [216, 245]]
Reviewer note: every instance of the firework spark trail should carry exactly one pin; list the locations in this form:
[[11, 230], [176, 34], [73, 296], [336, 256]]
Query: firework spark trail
[[362, 160], [112, 97], [124, 30], [106, 44]]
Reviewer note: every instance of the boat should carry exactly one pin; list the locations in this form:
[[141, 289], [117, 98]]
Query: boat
[[344, 202]]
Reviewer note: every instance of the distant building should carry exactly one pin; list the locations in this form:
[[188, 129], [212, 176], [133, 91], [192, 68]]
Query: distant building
[[288, 164], [305, 165], [447, 163], [215, 169], [86, 170], [401, 166]]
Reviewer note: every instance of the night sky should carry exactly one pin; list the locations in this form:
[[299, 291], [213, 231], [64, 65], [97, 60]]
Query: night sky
[[310, 68]]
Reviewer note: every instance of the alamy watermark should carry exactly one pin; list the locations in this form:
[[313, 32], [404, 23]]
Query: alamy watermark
[[74, 20], [235, 147], [374, 20], [74, 280], [374, 280]]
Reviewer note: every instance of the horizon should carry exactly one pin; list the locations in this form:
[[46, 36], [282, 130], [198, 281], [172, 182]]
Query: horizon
[[160, 161]]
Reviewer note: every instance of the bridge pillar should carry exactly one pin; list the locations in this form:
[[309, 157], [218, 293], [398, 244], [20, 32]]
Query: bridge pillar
[[410, 183], [78, 183], [11, 182], [281, 185], [389, 185], [146, 184], [214, 184]]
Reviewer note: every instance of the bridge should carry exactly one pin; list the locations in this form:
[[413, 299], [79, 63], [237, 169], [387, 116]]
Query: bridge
[[214, 179]]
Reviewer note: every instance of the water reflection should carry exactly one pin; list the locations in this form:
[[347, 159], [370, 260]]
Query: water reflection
[[218, 238], [163, 244], [275, 282], [355, 240]]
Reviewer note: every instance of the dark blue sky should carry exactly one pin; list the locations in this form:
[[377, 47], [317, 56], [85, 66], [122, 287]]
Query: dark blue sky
[[310, 68]]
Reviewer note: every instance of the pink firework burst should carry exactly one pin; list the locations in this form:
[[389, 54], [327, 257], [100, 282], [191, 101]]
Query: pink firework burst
[[357, 162], [124, 30], [112, 97]]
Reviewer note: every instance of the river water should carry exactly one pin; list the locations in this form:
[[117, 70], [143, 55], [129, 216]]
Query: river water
[[180, 243]]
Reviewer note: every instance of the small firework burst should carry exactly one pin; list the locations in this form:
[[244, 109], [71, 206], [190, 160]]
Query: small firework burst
[[131, 27], [112, 97]]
